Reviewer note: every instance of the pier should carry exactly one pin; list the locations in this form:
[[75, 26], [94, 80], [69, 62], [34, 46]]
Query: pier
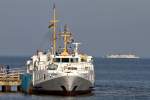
[[9, 78]]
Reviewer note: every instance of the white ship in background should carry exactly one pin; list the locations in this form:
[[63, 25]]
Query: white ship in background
[[63, 71], [122, 56]]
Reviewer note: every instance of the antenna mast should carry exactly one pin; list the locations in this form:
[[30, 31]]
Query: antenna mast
[[76, 48]]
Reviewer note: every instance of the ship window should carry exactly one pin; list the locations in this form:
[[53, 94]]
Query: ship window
[[65, 59], [56, 59], [72, 68], [73, 60], [52, 67], [86, 68]]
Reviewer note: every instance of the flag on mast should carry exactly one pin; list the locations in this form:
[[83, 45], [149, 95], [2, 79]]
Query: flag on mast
[[51, 25]]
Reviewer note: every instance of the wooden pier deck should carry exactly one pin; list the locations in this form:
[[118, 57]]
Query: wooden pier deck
[[9, 78]]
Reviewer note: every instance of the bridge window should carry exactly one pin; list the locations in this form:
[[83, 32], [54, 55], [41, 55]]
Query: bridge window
[[56, 59], [73, 60], [65, 59]]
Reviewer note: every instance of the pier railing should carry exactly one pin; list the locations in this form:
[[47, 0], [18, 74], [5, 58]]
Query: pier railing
[[10, 77]]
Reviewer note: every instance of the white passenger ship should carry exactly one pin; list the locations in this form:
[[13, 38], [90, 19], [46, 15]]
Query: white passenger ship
[[64, 71]]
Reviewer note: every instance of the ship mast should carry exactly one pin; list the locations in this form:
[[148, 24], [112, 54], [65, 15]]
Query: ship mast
[[53, 24]]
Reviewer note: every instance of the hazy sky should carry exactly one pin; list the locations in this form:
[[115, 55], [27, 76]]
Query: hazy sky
[[102, 26]]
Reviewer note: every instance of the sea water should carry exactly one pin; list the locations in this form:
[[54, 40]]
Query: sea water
[[116, 79]]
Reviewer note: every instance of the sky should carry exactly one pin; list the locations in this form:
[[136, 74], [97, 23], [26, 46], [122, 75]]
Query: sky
[[102, 26]]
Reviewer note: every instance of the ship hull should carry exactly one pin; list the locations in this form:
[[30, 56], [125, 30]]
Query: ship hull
[[64, 85]]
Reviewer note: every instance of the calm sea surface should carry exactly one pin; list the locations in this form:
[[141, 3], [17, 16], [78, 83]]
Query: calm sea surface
[[116, 79]]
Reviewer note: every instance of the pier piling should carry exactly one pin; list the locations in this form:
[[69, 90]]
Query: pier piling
[[6, 88]]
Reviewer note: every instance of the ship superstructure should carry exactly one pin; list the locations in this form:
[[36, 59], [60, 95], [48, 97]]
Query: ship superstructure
[[66, 70]]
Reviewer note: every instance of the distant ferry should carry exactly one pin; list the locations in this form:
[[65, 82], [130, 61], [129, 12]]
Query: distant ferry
[[122, 56]]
